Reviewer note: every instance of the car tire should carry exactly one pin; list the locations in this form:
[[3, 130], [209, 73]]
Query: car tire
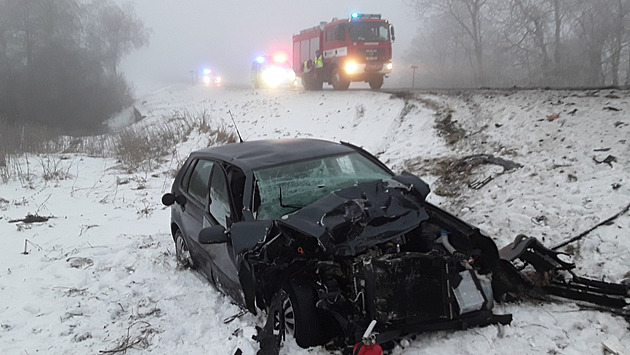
[[302, 319], [182, 253], [376, 82], [338, 81]]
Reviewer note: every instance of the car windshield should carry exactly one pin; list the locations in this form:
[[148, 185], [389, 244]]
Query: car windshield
[[287, 188], [369, 31]]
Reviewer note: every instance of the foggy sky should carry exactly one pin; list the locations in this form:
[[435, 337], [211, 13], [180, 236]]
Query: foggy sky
[[226, 37]]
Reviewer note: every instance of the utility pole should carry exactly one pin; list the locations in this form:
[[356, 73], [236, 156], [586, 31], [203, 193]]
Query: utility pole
[[413, 76]]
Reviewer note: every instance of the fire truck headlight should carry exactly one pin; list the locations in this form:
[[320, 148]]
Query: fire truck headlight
[[206, 79], [389, 66], [351, 67]]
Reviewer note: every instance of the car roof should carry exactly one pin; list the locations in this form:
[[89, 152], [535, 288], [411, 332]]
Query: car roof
[[265, 153]]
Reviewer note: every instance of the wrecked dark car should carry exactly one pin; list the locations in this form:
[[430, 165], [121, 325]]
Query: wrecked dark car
[[338, 249]]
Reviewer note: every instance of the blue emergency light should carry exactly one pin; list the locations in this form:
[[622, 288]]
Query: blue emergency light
[[356, 15], [260, 59]]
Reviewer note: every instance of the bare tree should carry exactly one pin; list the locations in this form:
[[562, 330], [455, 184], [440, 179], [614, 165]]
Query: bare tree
[[593, 23], [48, 72], [557, 21], [442, 52], [469, 16], [526, 42], [114, 32], [33, 24], [618, 36]]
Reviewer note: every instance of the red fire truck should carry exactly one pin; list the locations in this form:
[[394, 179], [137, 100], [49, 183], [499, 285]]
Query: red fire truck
[[358, 48]]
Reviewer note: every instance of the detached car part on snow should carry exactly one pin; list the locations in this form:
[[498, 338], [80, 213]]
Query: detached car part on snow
[[327, 240]]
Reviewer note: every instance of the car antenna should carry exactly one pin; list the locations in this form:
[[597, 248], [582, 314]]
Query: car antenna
[[235, 127]]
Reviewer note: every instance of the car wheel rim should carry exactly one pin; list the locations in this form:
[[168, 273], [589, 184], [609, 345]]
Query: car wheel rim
[[182, 252], [289, 314]]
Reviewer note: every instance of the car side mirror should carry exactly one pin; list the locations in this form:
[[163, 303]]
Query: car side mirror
[[393, 34], [213, 235], [169, 199]]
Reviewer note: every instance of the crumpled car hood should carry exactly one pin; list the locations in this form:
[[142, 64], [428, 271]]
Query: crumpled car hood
[[349, 221]]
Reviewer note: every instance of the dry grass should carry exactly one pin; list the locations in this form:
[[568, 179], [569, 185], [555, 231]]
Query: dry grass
[[138, 147], [15, 140]]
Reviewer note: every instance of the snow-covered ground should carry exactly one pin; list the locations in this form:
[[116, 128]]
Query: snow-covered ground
[[100, 274]]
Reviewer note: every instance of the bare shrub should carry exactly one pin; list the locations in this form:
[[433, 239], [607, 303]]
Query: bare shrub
[[27, 138], [135, 147], [17, 140], [132, 146], [93, 146], [144, 146], [222, 135], [204, 122], [54, 168], [141, 146]]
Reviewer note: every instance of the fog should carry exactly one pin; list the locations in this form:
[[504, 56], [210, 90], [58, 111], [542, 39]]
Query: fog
[[226, 37]]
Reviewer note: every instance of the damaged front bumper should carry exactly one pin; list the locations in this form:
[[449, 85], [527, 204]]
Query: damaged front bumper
[[542, 271], [413, 292]]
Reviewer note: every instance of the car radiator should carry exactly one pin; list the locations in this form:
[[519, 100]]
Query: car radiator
[[406, 287]]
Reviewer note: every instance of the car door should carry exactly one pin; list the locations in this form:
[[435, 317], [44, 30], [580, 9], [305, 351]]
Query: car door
[[195, 186], [220, 212]]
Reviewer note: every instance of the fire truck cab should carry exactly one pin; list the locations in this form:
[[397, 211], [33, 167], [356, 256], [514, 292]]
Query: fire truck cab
[[355, 49]]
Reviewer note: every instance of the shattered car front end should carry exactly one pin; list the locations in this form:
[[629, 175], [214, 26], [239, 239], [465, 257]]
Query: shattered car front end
[[378, 251]]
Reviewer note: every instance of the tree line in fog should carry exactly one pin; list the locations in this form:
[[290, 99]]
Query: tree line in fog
[[504, 43], [59, 58]]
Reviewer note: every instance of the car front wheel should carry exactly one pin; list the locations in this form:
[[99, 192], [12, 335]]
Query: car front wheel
[[182, 253], [302, 319]]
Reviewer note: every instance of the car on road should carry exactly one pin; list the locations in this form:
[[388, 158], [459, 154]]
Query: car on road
[[336, 247], [272, 72]]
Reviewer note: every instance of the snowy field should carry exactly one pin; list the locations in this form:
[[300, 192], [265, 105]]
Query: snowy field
[[99, 275]]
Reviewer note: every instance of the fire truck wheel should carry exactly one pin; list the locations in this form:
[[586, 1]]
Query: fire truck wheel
[[338, 81], [376, 83]]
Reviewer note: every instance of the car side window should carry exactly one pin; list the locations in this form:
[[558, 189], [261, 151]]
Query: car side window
[[199, 179], [236, 179], [186, 177], [219, 196]]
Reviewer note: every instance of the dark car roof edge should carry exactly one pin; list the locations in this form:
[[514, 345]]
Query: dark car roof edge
[[258, 154]]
